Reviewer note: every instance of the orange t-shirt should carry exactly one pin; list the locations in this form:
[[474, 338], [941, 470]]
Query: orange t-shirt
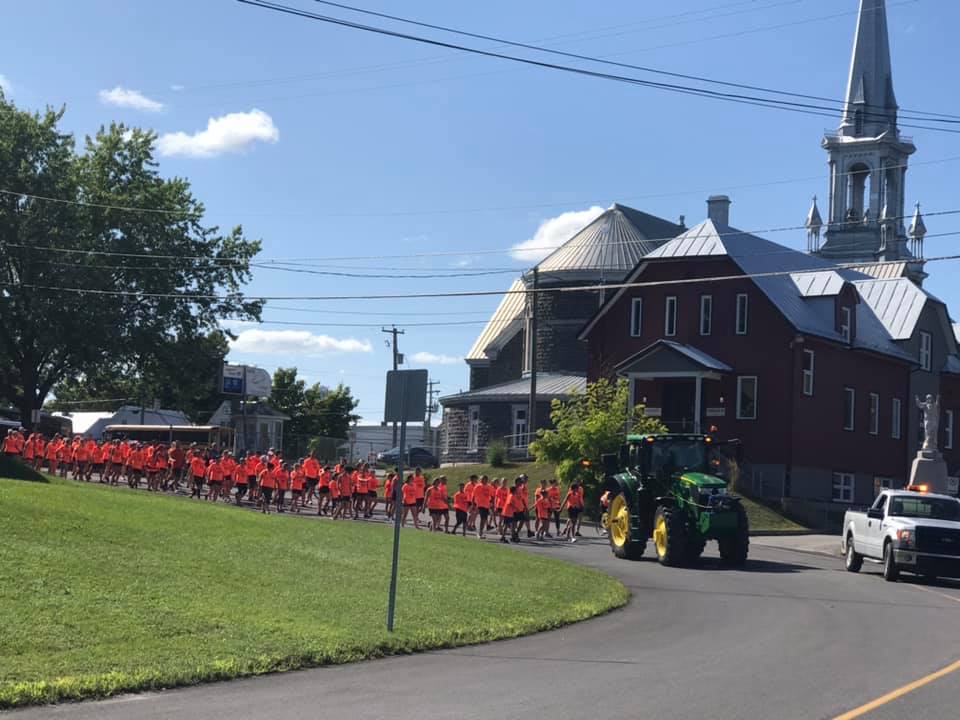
[[346, 484], [436, 500], [296, 480], [267, 479], [409, 493], [508, 506], [460, 501], [420, 485], [388, 488], [575, 499], [324, 479], [372, 483], [482, 495], [311, 468], [197, 466], [360, 483], [469, 489], [215, 472], [542, 506], [553, 493]]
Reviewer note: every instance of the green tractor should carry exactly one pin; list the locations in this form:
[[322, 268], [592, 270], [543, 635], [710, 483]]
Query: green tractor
[[671, 488]]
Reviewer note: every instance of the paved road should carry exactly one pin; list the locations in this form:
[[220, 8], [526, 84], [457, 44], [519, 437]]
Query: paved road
[[792, 636]]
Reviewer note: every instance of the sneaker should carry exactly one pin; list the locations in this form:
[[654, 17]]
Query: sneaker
[[573, 539], [529, 534], [548, 535], [504, 540]]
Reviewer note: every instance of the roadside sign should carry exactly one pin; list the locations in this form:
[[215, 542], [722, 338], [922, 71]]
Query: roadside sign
[[406, 399], [232, 381]]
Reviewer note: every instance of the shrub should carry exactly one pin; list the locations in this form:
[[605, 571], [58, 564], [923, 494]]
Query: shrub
[[497, 453]]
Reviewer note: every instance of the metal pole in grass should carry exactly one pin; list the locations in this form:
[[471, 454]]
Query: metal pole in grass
[[406, 400]]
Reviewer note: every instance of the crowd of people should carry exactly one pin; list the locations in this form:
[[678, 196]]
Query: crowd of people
[[338, 490]]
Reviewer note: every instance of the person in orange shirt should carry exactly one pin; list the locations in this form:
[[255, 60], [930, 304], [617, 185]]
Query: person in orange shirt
[[574, 505], [38, 450], [297, 481], [282, 474], [156, 467], [346, 490], [436, 504], [324, 491], [373, 484], [483, 494], [116, 463], [461, 507], [506, 514], [135, 463], [53, 453], [214, 476], [267, 482], [553, 492], [360, 485], [10, 444], [198, 473], [81, 460], [332, 496], [542, 508], [499, 498], [230, 471], [28, 449], [410, 502], [420, 485], [65, 457], [389, 501], [472, 483], [311, 475], [91, 445]]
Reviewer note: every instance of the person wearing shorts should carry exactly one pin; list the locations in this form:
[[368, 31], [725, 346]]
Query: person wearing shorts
[[506, 515], [420, 485], [410, 503], [574, 505], [389, 501], [267, 483], [436, 503], [553, 492], [215, 479], [297, 482], [198, 473], [324, 491], [373, 484], [311, 475], [461, 507], [333, 497], [482, 500], [282, 474]]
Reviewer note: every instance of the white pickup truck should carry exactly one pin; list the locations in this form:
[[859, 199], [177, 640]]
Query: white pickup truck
[[915, 532]]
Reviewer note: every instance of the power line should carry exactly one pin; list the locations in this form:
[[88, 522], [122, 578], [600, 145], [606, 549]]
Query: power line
[[739, 98], [657, 71], [463, 293]]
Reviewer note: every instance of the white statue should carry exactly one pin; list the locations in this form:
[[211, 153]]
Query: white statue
[[931, 420]]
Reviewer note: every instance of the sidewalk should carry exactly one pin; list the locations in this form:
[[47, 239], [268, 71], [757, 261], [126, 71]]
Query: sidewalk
[[817, 544]]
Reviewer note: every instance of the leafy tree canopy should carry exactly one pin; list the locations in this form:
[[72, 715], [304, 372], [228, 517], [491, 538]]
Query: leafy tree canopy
[[57, 322], [588, 426], [315, 411]]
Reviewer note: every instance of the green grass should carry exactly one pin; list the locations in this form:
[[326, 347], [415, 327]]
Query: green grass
[[104, 591], [765, 519]]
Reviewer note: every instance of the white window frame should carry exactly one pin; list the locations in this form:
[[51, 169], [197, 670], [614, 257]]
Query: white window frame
[[743, 313], [926, 351], [851, 393], [636, 317], [874, 427], [706, 315], [845, 483], [756, 397], [948, 430], [846, 324], [473, 428], [896, 420], [521, 428], [808, 372], [670, 316]]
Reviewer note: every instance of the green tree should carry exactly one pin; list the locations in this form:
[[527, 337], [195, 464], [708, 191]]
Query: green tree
[[60, 261], [180, 375], [315, 411], [588, 426]]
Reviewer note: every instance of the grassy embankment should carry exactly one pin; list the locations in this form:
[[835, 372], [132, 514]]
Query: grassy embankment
[[105, 591]]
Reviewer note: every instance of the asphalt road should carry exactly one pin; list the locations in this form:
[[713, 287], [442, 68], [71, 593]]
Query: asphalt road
[[791, 636]]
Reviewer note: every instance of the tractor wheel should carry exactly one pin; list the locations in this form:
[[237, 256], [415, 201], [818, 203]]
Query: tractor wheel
[[695, 546], [669, 536], [622, 543], [734, 548]]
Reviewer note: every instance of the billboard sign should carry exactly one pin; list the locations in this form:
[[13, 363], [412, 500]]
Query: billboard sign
[[232, 380]]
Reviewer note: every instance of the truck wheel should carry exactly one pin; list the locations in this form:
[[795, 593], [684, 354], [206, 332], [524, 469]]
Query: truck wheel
[[622, 542], [890, 570], [734, 548], [854, 560], [669, 537]]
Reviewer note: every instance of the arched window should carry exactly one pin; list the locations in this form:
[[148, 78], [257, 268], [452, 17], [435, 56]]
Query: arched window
[[857, 191]]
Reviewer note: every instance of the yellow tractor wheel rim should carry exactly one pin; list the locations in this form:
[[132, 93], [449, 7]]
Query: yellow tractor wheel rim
[[618, 519], [660, 536]]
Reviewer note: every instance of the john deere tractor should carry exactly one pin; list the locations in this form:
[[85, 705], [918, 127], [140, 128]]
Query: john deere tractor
[[670, 487]]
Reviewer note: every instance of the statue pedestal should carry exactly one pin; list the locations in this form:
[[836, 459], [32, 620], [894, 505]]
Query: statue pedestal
[[929, 469]]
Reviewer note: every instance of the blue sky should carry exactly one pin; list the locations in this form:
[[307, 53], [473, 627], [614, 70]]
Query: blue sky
[[325, 142]]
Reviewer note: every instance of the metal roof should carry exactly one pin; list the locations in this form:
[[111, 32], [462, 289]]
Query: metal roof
[[506, 322], [882, 271], [826, 283], [549, 387], [897, 303], [613, 243], [698, 356]]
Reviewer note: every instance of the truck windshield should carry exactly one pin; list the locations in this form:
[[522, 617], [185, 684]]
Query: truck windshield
[[934, 508], [674, 456]]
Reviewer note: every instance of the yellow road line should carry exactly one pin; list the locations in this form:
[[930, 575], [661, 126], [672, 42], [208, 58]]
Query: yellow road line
[[898, 693]]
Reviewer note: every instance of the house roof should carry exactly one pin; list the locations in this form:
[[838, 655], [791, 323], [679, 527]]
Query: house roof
[[956, 331], [882, 270], [778, 272], [549, 386], [692, 357], [612, 244], [507, 320], [896, 302]]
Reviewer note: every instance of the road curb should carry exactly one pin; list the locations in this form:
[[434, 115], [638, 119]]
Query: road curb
[[783, 533]]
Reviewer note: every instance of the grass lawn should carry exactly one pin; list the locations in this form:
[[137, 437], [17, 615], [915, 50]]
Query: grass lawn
[[105, 590], [762, 518]]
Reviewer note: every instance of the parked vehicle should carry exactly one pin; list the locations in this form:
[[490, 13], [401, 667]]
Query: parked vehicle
[[908, 531], [413, 457], [668, 487]]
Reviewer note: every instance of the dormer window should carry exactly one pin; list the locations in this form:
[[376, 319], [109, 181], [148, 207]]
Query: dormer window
[[846, 324]]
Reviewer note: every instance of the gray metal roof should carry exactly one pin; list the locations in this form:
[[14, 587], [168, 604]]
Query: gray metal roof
[[826, 283], [883, 271], [507, 321], [897, 303], [956, 331], [549, 386], [699, 357], [812, 314], [612, 244]]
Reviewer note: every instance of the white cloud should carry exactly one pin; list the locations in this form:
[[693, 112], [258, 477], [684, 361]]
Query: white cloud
[[295, 342], [127, 98], [553, 233], [234, 132], [429, 358], [5, 84]]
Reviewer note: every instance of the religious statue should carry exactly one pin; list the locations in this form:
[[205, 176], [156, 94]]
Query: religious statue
[[931, 420]]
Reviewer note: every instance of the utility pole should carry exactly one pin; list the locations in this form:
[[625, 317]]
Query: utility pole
[[392, 330], [430, 407], [532, 409]]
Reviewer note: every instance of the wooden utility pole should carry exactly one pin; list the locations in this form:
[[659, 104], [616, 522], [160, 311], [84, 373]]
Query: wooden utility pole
[[532, 409], [392, 330], [430, 407]]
